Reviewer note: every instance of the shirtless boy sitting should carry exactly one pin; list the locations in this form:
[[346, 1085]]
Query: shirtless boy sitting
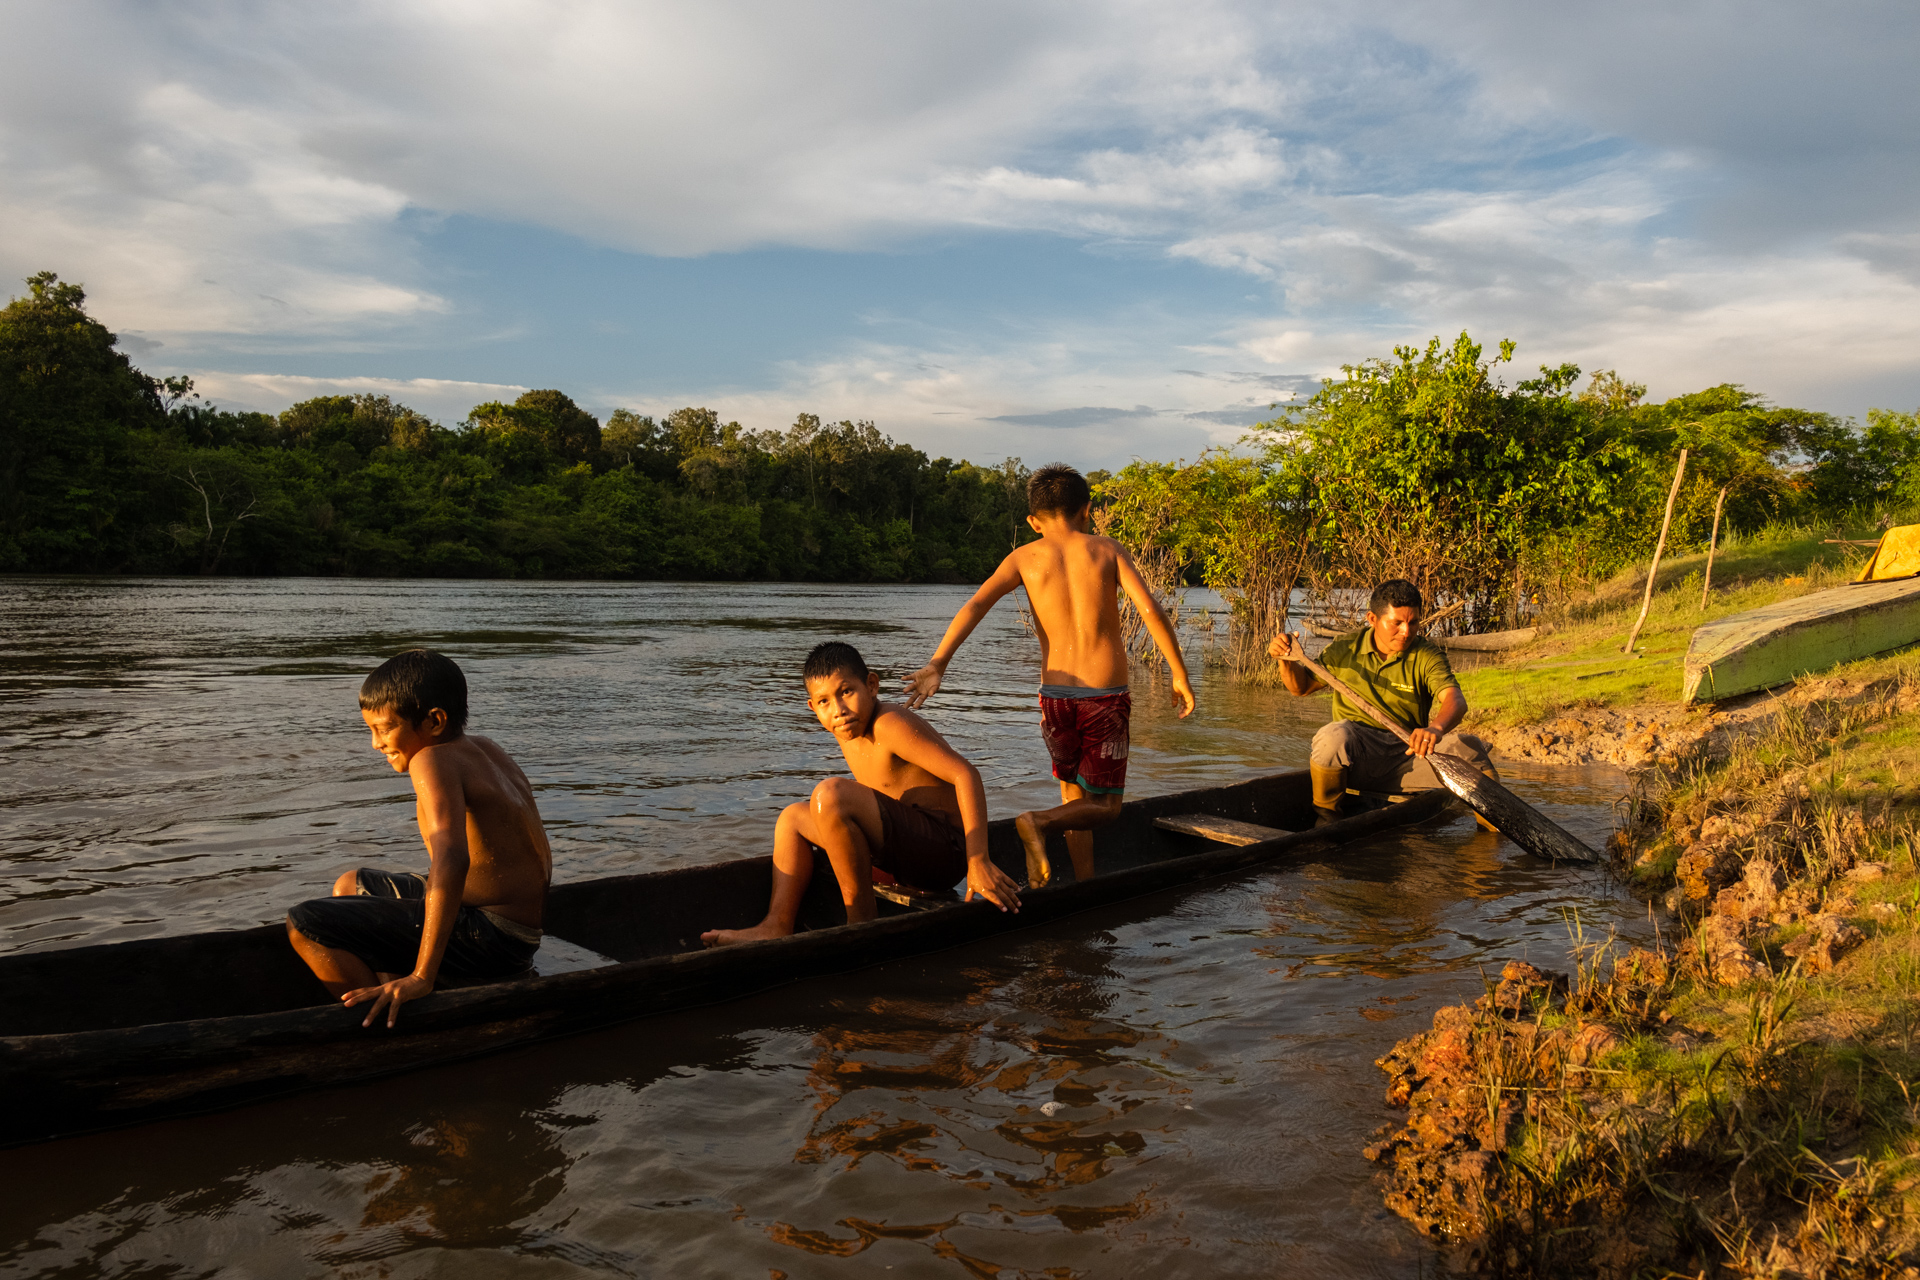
[[390, 936], [914, 809], [1072, 579]]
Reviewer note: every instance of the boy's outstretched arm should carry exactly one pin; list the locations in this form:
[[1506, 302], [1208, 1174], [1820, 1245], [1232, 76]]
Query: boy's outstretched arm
[[908, 737], [443, 823], [925, 682], [1159, 628]]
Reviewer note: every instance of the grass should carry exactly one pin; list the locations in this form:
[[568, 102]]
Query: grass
[[1580, 665]]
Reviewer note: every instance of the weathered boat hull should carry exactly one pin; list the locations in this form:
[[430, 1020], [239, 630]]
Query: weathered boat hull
[[104, 1036], [1781, 642], [1490, 641]]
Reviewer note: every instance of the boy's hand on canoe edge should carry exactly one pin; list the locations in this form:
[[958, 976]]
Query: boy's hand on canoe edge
[[389, 996], [993, 884], [921, 685]]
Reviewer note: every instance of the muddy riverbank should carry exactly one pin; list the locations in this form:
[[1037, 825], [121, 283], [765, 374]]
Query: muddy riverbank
[[1738, 1097]]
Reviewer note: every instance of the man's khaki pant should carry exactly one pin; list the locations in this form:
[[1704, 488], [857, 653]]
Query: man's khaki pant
[[1376, 760]]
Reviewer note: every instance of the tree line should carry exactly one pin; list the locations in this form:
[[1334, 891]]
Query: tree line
[[1425, 465], [104, 469]]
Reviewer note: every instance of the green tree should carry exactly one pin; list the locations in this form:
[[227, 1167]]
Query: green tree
[[1426, 467], [1766, 458], [70, 406]]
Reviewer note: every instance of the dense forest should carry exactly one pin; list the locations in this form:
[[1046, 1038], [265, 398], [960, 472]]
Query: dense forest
[[106, 470], [1426, 465]]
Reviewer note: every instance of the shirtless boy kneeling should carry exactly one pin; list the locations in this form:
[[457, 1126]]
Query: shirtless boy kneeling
[[1073, 579], [914, 809], [389, 936]]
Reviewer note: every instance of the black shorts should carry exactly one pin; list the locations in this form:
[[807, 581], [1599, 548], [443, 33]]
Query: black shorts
[[922, 847], [383, 923]]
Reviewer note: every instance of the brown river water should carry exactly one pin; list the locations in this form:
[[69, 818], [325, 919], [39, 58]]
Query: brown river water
[[1178, 1085]]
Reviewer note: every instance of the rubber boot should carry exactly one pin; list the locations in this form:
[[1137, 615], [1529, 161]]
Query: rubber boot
[[1329, 792]]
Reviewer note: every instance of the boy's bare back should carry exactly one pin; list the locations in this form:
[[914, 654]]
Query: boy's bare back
[[509, 860], [1072, 580]]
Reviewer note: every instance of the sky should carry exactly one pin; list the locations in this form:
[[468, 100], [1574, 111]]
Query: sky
[[1066, 231]]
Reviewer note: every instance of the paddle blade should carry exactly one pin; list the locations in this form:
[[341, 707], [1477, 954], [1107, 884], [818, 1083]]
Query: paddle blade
[[1516, 819]]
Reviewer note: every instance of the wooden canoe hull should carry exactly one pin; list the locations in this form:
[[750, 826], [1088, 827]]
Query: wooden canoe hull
[[1491, 641], [1778, 643], [123, 1033]]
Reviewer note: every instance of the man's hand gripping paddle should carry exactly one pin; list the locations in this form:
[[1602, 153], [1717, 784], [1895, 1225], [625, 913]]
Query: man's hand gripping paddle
[[1528, 827]]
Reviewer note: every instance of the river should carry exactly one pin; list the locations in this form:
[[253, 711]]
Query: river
[[1176, 1085]]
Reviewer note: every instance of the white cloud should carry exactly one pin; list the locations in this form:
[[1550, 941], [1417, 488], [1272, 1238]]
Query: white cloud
[[1692, 193], [201, 216]]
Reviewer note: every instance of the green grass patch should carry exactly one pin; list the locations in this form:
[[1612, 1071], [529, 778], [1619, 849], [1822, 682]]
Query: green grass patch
[[1581, 664]]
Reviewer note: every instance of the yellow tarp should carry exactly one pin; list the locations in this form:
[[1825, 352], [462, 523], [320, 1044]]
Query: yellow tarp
[[1897, 556]]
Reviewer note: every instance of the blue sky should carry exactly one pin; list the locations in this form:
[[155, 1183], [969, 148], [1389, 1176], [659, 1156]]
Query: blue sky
[[1081, 231]]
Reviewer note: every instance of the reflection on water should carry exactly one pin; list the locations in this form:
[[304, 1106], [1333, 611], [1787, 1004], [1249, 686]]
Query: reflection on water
[[1159, 1086]]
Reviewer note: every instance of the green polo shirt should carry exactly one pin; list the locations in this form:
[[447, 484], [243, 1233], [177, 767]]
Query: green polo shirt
[[1404, 687]]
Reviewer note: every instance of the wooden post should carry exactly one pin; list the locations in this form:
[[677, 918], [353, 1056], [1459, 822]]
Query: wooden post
[[1712, 543], [1659, 548]]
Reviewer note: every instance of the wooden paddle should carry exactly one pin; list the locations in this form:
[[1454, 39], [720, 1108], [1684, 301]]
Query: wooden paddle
[[1514, 817]]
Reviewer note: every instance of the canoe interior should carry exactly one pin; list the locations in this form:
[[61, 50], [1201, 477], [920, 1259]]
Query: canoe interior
[[240, 972]]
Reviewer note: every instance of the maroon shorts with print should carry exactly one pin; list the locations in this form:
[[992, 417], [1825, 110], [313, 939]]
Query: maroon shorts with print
[[1087, 738]]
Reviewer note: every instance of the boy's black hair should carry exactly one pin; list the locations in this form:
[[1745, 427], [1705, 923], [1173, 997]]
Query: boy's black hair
[[414, 683], [1395, 593], [1057, 488], [833, 657]]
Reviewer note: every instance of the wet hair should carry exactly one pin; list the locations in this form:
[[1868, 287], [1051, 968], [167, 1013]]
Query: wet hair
[[1395, 593], [414, 683], [1057, 488], [833, 657]]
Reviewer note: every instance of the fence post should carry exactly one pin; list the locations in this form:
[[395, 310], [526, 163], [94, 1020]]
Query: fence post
[[1659, 548], [1713, 543]]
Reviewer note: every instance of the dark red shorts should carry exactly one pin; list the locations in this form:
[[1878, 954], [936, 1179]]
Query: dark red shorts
[[922, 847], [1087, 738]]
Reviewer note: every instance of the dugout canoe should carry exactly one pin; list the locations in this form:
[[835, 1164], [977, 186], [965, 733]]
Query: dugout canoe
[[1490, 641], [1778, 643], [102, 1036]]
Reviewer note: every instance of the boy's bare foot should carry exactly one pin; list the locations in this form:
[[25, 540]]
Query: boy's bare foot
[[1039, 870], [727, 937]]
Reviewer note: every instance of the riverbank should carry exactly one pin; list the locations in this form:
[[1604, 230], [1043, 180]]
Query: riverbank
[[1739, 1099]]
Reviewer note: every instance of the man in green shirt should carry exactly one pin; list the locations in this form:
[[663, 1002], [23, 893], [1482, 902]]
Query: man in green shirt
[[1403, 674]]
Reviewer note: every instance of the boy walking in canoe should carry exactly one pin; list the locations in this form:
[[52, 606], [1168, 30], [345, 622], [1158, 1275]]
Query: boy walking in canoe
[[1073, 579], [390, 936], [913, 810]]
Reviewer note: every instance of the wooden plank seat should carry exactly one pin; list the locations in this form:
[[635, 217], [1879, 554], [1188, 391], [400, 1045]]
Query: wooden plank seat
[[1379, 797], [914, 897], [1224, 830]]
